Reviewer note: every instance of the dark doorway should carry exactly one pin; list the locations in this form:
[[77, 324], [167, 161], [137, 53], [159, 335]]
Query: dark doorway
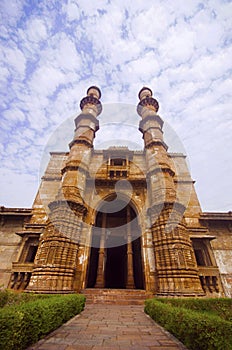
[[115, 261], [92, 268], [137, 264], [116, 267]]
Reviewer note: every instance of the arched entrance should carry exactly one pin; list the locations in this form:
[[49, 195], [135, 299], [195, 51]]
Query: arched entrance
[[115, 259]]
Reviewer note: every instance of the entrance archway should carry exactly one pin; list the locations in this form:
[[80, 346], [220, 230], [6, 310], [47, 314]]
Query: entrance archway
[[115, 259]]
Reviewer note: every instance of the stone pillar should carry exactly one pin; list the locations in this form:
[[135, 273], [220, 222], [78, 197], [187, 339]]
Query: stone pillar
[[130, 271], [57, 257], [149, 262], [100, 282], [55, 262], [175, 263]]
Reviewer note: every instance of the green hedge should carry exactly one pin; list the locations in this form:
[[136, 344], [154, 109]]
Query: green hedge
[[221, 307], [24, 324], [10, 297], [196, 330]]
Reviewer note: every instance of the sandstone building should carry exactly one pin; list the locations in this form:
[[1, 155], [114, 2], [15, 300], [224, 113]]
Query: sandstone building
[[117, 218]]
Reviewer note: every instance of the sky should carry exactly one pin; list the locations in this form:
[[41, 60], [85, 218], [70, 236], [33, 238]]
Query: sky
[[52, 51]]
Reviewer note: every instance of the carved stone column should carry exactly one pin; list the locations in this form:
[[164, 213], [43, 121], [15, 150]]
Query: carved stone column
[[55, 262], [130, 271], [175, 260], [100, 282], [176, 268], [150, 267], [57, 256]]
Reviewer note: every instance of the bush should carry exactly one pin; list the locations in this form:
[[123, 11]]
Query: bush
[[221, 307], [10, 297], [197, 331], [24, 324], [3, 297]]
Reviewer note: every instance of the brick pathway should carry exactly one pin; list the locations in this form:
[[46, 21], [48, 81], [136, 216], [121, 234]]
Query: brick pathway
[[110, 327]]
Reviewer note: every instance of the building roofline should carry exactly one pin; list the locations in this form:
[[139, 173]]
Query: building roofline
[[59, 153], [219, 216], [15, 211], [176, 154], [123, 149]]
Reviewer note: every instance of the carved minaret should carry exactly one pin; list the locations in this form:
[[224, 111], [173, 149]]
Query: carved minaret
[[56, 263], [176, 268]]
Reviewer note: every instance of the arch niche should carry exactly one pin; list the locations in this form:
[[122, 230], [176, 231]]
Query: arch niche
[[115, 259]]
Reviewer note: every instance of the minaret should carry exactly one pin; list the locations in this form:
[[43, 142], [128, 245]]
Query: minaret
[[176, 269], [74, 172], [56, 263]]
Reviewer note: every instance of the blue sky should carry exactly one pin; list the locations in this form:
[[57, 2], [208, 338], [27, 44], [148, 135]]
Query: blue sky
[[52, 51]]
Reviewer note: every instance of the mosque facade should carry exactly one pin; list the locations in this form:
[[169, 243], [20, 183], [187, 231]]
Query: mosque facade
[[117, 218]]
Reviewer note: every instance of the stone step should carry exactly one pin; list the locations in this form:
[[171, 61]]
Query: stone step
[[116, 296]]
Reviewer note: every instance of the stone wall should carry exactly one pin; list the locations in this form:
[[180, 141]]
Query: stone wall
[[220, 226], [12, 221]]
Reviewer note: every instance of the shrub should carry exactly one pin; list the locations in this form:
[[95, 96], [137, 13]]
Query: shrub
[[197, 331], [24, 324], [3, 297], [221, 307], [10, 297]]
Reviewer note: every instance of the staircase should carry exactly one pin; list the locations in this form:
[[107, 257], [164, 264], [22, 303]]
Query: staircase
[[116, 296]]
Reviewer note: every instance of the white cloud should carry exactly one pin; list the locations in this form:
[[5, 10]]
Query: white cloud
[[148, 26], [14, 58], [2, 149], [11, 148], [4, 75], [178, 46], [67, 55], [209, 34], [72, 10], [145, 66], [11, 11], [36, 30], [211, 67], [14, 116], [89, 8], [46, 80]]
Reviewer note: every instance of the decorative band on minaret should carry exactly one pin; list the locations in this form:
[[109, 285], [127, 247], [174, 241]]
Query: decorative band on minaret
[[146, 100], [91, 104]]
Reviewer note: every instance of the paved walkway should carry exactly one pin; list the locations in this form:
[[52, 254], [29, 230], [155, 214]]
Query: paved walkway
[[110, 327]]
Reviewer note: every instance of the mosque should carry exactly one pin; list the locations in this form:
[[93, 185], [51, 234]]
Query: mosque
[[117, 218]]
